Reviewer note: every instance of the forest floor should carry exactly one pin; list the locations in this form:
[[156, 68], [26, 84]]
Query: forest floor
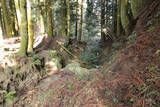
[[130, 78]]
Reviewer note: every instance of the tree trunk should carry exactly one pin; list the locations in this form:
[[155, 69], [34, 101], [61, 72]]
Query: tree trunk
[[68, 19], [42, 18], [13, 17], [76, 25], [102, 21], [30, 26], [118, 32], [124, 16], [1, 24], [80, 24], [17, 6], [23, 29], [136, 5], [7, 19], [50, 18]]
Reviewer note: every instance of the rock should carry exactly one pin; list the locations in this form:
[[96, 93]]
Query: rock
[[76, 68]]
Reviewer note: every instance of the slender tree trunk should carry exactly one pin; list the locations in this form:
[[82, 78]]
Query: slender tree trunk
[[1, 23], [118, 32], [80, 20], [23, 29], [1, 27], [50, 18], [114, 29], [30, 26], [13, 17], [18, 17], [7, 19], [102, 20], [42, 21], [76, 25], [68, 19]]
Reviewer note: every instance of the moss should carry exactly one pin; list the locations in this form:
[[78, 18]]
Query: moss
[[136, 5], [23, 29], [124, 16]]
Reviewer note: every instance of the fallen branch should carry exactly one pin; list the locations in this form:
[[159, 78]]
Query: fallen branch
[[65, 49]]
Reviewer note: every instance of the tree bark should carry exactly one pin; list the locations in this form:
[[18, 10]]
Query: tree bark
[[50, 18], [118, 32], [76, 24], [102, 21], [124, 16], [23, 29], [30, 26], [80, 24], [8, 19], [136, 5], [68, 19]]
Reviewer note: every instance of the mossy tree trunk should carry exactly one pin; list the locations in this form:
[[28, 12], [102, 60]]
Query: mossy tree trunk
[[118, 30], [76, 24], [23, 29], [8, 19], [50, 19], [42, 15], [80, 24], [63, 18], [17, 9], [124, 16], [68, 19], [136, 5], [30, 26], [13, 17], [1, 24]]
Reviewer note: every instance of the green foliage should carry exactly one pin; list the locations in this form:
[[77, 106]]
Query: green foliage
[[115, 100], [131, 100], [90, 57], [107, 92], [152, 68], [36, 60], [141, 88], [9, 96], [132, 37], [85, 77], [53, 53], [71, 87], [108, 105], [116, 44]]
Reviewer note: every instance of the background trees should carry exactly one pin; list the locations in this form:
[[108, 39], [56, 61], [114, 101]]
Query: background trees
[[80, 20]]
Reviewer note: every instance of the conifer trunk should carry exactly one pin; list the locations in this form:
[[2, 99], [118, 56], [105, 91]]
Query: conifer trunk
[[23, 29], [68, 19], [136, 5], [118, 32], [8, 19], [103, 21], [76, 24], [124, 16], [50, 18], [80, 24], [30, 26]]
